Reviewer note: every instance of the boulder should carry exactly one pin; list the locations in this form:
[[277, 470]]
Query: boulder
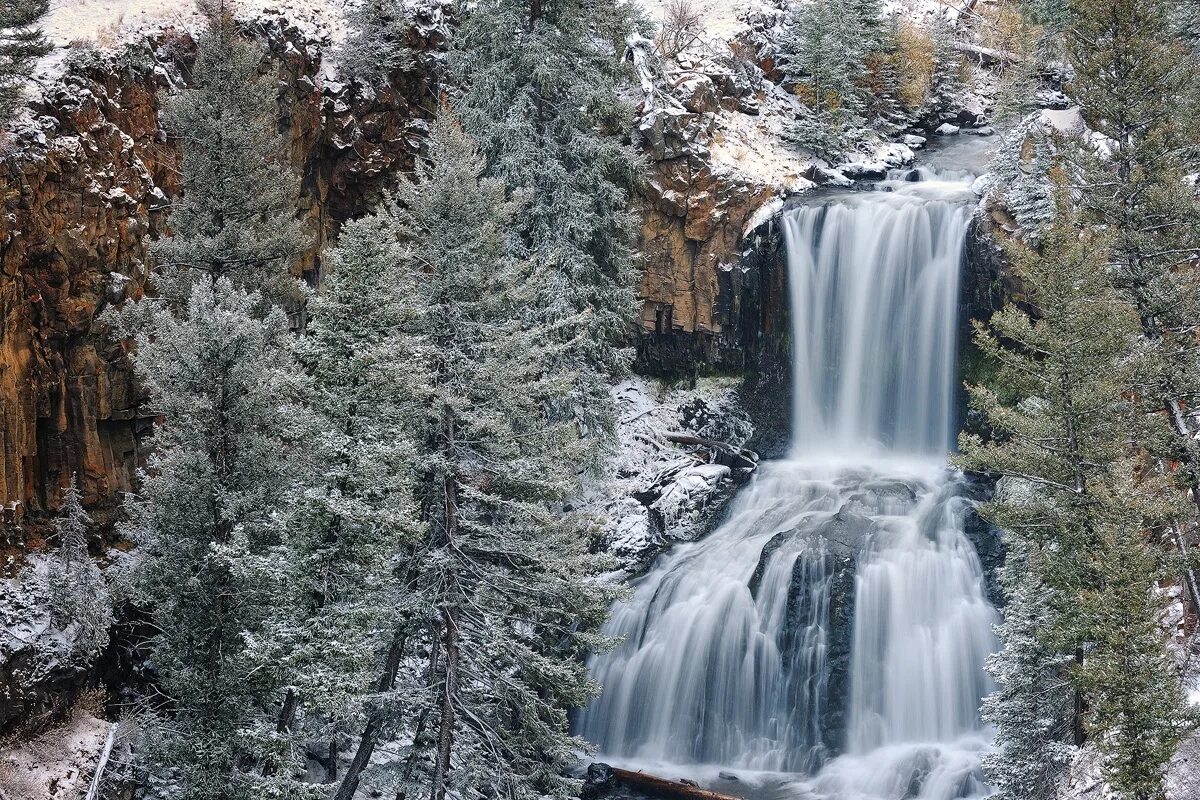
[[698, 94], [947, 129]]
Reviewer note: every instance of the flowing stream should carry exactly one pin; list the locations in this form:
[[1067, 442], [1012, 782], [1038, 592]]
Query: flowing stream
[[828, 639]]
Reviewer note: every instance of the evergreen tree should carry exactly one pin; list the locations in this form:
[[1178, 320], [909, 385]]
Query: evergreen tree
[[207, 524], [79, 596], [946, 83], [541, 97], [352, 529], [1031, 709], [1137, 714], [826, 50], [236, 217], [1065, 432], [1134, 84], [1020, 176], [377, 45], [1060, 423], [502, 579], [216, 359], [21, 44]]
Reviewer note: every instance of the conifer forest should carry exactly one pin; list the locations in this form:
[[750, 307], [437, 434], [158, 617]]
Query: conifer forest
[[600, 399]]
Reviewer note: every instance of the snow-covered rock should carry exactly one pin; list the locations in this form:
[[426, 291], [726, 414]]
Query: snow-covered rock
[[915, 142], [659, 491], [947, 129]]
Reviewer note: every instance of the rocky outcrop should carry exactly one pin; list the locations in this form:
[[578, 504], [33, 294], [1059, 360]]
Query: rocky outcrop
[[661, 490], [87, 183]]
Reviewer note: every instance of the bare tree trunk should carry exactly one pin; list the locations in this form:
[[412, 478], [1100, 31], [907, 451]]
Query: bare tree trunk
[[449, 683], [370, 735], [449, 691]]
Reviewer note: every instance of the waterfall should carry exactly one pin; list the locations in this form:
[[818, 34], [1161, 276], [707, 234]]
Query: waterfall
[[828, 639]]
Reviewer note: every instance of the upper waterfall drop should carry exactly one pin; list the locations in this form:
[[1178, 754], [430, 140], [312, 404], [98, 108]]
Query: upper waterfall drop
[[873, 279], [828, 639]]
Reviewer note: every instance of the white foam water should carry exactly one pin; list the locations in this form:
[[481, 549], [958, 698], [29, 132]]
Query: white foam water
[[828, 639]]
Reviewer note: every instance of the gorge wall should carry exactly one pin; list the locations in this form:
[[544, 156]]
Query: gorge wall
[[87, 181], [87, 184]]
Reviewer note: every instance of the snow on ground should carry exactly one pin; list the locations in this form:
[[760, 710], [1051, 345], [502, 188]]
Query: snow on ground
[[752, 146], [722, 19], [57, 765], [106, 23]]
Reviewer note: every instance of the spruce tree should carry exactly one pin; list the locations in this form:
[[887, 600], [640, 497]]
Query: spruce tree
[[236, 218], [502, 578], [21, 44], [541, 95], [1059, 425], [351, 532], [825, 50], [1031, 709], [1137, 713], [1065, 432], [1135, 84], [206, 520], [216, 358], [79, 596]]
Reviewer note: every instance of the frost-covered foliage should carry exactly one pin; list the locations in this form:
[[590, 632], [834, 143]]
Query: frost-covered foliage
[[501, 582], [1032, 708], [21, 44], [79, 597], [1135, 87], [352, 529], [826, 48], [857, 70], [377, 45], [235, 218], [207, 522], [540, 94], [210, 515], [1021, 180]]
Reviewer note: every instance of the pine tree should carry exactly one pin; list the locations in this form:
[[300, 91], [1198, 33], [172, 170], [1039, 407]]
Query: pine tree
[[79, 596], [1066, 433], [216, 359], [1060, 423], [352, 529], [377, 45], [1021, 178], [236, 217], [207, 525], [946, 84], [1137, 714], [502, 578], [541, 97], [21, 44]]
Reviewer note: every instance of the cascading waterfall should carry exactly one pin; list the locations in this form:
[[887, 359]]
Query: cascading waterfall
[[829, 638]]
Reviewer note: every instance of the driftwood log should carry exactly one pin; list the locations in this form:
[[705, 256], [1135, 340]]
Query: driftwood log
[[723, 452], [604, 781]]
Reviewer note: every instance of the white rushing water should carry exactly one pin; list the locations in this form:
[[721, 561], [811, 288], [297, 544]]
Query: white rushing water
[[828, 639]]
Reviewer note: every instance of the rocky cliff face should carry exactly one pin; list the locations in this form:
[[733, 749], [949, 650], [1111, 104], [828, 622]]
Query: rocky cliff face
[[86, 187]]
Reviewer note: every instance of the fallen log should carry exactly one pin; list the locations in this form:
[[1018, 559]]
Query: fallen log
[[605, 781], [987, 56], [734, 456]]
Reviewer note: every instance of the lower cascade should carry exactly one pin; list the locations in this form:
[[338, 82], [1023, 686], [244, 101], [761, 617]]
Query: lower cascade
[[828, 640]]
